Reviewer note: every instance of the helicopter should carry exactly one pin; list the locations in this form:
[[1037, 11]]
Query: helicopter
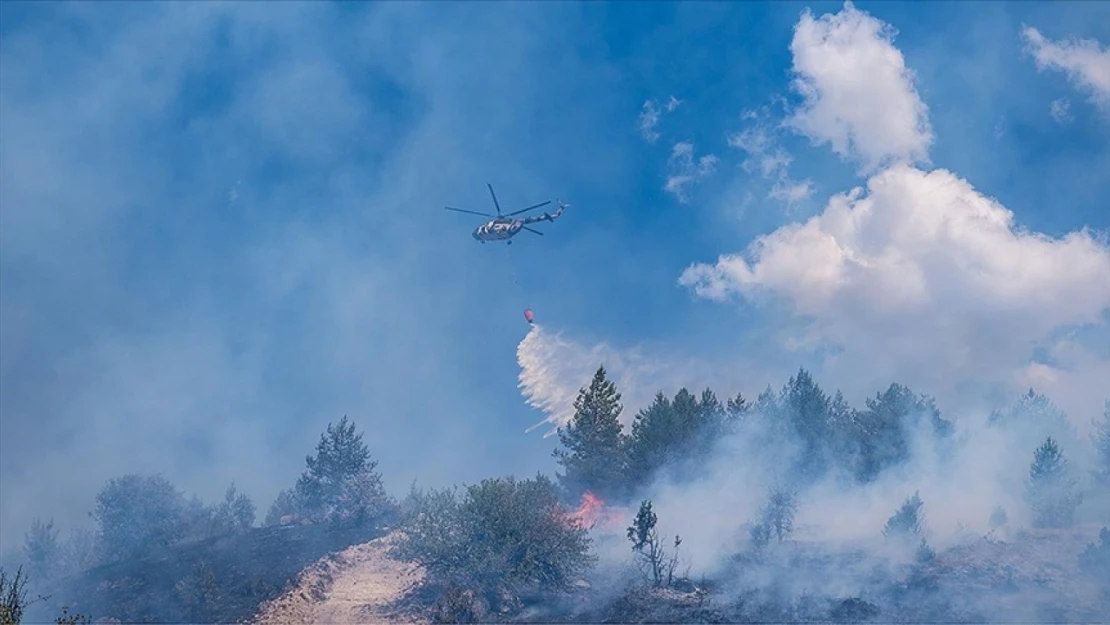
[[505, 227]]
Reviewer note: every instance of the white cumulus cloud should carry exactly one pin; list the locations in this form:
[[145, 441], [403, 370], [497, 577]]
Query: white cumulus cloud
[[1085, 61], [859, 96], [921, 278]]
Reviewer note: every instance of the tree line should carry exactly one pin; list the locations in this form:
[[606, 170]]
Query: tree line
[[677, 434]]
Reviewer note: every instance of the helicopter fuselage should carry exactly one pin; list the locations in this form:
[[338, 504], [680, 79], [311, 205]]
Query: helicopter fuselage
[[498, 230]]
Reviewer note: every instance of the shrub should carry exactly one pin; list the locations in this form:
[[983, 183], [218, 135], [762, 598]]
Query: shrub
[[502, 538], [13, 597], [137, 514], [13, 602]]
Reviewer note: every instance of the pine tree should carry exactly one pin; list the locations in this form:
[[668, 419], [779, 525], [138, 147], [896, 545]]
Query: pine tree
[[340, 453], [808, 408], [594, 455], [769, 417], [650, 446], [846, 435], [340, 480], [737, 409], [712, 422], [677, 433], [1050, 492], [689, 422], [887, 416]]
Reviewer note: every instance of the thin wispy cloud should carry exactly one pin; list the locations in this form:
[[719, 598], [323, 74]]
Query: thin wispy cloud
[[651, 114], [1061, 110], [1086, 62], [766, 155], [684, 170]]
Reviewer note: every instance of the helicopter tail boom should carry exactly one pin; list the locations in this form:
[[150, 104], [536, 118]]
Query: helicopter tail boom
[[549, 216]]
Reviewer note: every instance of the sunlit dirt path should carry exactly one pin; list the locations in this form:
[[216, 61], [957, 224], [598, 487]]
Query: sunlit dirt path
[[357, 585]]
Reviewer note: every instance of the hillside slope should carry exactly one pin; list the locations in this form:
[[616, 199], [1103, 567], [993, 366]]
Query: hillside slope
[[218, 580], [360, 584], [307, 575]]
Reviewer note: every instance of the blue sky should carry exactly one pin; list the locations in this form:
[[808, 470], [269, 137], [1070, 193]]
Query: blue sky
[[222, 224]]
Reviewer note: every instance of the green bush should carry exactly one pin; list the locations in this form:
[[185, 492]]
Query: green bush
[[137, 514], [501, 539]]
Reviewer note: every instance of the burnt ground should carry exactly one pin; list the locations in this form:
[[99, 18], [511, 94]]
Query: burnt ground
[[217, 580], [1032, 578]]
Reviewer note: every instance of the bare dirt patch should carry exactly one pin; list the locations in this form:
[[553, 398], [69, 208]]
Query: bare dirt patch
[[360, 584]]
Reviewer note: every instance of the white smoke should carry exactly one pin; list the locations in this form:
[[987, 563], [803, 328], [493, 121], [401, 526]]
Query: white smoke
[[554, 369], [961, 485]]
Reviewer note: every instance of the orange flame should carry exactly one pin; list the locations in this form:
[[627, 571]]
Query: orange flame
[[594, 512]]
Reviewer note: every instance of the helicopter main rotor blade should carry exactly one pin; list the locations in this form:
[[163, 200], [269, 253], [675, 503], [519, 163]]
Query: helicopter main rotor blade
[[463, 210], [531, 230], [494, 199], [525, 210]]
